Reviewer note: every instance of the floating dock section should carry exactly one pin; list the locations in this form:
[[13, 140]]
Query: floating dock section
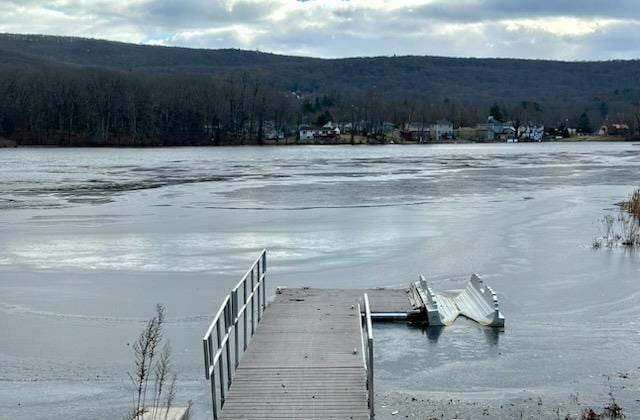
[[477, 302]]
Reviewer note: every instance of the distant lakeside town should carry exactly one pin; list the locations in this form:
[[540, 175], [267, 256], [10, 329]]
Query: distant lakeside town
[[440, 131], [443, 131]]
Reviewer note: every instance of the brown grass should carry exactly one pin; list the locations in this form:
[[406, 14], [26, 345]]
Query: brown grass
[[633, 204]]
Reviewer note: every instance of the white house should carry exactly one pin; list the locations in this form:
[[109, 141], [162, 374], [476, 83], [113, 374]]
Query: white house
[[330, 130], [308, 132], [613, 130], [441, 130]]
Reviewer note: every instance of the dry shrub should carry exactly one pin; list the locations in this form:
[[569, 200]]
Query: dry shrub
[[590, 414], [633, 204], [152, 362], [613, 410]]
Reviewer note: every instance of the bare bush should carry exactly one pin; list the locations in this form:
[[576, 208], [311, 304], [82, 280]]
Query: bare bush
[[154, 367], [590, 414], [621, 230], [629, 230], [613, 410]]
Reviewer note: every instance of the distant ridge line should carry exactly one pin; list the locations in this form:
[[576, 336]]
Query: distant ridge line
[[31, 36]]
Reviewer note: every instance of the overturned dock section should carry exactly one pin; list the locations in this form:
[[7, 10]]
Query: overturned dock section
[[477, 302]]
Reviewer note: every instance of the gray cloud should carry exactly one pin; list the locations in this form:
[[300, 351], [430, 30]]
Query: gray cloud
[[192, 14], [491, 10], [553, 29]]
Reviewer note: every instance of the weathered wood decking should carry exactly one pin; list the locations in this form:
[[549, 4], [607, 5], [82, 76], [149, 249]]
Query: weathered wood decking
[[305, 360]]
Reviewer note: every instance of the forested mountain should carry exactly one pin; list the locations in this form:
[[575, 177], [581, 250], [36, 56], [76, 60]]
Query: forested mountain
[[103, 92], [134, 57]]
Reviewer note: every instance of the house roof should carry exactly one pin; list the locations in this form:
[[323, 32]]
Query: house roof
[[416, 127], [309, 127], [617, 126]]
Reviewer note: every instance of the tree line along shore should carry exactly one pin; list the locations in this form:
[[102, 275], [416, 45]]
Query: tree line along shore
[[98, 107], [57, 92]]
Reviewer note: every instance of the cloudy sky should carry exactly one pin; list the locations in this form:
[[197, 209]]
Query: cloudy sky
[[554, 29]]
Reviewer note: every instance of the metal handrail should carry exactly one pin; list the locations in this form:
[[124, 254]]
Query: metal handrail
[[252, 290], [366, 330]]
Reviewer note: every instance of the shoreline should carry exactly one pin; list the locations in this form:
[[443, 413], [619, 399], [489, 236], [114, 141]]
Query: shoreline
[[415, 405], [14, 145]]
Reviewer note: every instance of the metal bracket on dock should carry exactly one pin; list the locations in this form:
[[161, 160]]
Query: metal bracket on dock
[[477, 302]]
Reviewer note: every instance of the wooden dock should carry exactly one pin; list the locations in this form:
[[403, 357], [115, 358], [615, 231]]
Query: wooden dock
[[306, 355], [305, 360]]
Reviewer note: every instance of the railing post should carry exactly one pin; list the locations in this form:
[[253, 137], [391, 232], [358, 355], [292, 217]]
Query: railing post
[[367, 309], [221, 368], [264, 260], [264, 280], [369, 329], [213, 395], [253, 301], [259, 290], [370, 373], [227, 329], [205, 345], [234, 305], [244, 314]]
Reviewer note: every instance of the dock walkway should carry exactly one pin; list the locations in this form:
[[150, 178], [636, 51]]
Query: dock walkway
[[304, 361], [308, 356]]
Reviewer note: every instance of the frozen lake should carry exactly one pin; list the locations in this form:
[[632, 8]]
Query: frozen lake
[[92, 239]]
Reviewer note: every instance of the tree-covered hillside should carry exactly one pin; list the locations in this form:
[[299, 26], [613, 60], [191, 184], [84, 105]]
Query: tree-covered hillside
[[205, 86]]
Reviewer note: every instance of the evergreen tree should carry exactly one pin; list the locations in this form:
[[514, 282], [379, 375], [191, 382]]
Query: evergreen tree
[[324, 118], [307, 107], [584, 124], [496, 113]]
